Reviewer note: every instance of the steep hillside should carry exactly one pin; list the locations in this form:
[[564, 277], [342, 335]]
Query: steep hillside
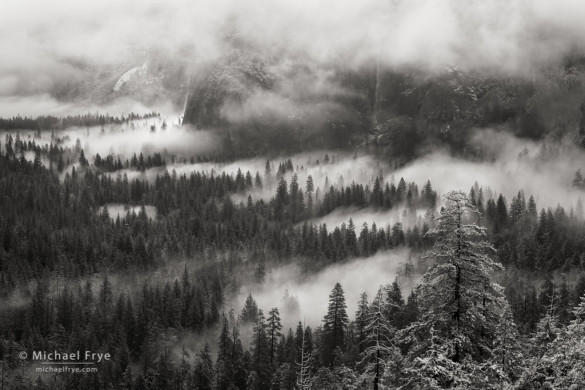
[[231, 81], [262, 105], [259, 104]]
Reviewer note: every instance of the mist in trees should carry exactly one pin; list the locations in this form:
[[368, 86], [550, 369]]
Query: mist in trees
[[489, 296]]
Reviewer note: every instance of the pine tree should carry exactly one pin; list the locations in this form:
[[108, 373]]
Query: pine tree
[[578, 180], [185, 379], [267, 170], [380, 334], [532, 211], [295, 203], [224, 367], [309, 186], [274, 328], [429, 196], [335, 325], [434, 369], [361, 320], [394, 305], [82, 160], [560, 362], [60, 163], [106, 297], [304, 380], [507, 354], [411, 309], [261, 352], [401, 190], [548, 328], [569, 350], [38, 163], [258, 181], [250, 310], [501, 217], [351, 238], [456, 298], [281, 200]]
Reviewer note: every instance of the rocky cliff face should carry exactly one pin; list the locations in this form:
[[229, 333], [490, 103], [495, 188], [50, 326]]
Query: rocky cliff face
[[232, 80], [150, 79], [286, 104], [261, 102]]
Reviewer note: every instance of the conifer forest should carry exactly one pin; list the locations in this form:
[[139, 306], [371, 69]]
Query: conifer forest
[[321, 195]]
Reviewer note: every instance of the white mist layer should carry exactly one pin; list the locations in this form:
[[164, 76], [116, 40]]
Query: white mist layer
[[312, 291], [119, 210], [382, 219], [122, 141], [543, 169], [548, 179]]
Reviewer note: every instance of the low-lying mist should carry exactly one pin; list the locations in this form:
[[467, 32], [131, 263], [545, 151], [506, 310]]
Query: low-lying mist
[[341, 170], [298, 296], [504, 164], [369, 216], [119, 210], [542, 169], [311, 292], [125, 140]]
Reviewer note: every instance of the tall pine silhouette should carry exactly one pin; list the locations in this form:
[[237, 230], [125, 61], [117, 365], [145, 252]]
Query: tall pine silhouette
[[335, 325]]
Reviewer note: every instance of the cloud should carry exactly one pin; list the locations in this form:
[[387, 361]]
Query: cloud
[[44, 104], [48, 43]]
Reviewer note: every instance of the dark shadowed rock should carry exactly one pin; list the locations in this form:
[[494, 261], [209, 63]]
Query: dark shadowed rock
[[231, 80]]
